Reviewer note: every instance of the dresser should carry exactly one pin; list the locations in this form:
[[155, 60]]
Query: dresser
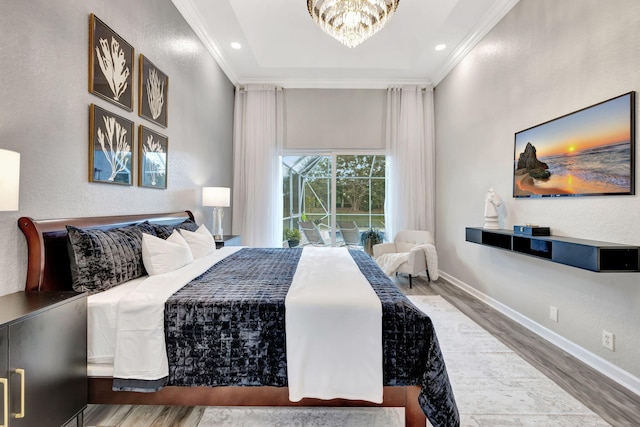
[[43, 358]]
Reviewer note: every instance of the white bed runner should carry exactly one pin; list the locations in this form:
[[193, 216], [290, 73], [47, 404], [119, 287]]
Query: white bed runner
[[333, 329], [140, 351]]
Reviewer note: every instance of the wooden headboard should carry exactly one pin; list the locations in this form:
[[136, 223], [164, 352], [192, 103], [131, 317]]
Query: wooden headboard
[[48, 264]]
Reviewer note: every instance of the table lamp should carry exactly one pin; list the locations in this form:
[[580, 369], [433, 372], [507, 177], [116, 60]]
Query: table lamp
[[9, 180], [218, 197]]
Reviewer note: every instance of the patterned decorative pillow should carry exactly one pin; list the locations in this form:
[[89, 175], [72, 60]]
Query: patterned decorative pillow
[[164, 231], [103, 259], [188, 225]]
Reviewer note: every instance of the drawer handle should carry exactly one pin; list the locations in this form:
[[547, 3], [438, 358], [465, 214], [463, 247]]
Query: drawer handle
[[5, 386], [20, 372]]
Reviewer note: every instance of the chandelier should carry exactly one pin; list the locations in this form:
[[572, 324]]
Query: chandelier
[[351, 21]]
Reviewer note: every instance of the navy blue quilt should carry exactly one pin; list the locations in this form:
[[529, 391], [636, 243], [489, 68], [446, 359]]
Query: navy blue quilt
[[227, 328]]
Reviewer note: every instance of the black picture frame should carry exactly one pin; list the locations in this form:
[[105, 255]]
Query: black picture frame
[[111, 139], [153, 90], [153, 158], [589, 152], [111, 61]]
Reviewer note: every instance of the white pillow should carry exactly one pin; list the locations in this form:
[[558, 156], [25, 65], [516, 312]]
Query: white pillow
[[163, 256], [200, 241]]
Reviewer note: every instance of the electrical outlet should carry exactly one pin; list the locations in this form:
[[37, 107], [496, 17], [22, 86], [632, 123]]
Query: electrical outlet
[[607, 339], [553, 313]]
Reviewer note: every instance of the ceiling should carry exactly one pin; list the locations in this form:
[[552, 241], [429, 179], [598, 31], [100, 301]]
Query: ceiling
[[282, 45]]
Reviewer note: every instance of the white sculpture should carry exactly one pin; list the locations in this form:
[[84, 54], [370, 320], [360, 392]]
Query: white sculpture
[[491, 204]]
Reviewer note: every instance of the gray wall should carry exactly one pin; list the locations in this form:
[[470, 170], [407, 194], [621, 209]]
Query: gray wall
[[44, 114], [546, 58]]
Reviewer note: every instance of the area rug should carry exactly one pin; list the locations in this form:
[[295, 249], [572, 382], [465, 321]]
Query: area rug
[[493, 387], [302, 417]]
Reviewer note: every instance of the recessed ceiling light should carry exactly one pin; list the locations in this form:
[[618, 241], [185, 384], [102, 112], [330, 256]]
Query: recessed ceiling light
[[441, 47], [236, 45]]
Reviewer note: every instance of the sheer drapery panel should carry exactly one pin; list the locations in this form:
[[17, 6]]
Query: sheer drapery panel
[[257, 195], [410, 194]]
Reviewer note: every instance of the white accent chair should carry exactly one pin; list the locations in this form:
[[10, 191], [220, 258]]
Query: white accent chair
[[406, 241]]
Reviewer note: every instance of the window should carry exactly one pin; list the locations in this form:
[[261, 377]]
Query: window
[[325, 189]]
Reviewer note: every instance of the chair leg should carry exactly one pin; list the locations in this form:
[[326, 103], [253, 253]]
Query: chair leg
[[428, 277], [410, 282]]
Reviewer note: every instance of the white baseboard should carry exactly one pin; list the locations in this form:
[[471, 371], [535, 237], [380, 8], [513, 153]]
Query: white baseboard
[[601, 365]]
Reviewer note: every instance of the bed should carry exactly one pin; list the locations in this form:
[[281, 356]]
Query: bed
[[414, 372]]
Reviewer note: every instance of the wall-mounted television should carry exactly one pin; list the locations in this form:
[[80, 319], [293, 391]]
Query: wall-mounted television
[[589, 152]]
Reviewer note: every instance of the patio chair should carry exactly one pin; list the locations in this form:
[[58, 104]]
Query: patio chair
[[350, 233], [311, 233]]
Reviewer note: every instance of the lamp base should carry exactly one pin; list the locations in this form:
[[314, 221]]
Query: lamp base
[[218, 214]]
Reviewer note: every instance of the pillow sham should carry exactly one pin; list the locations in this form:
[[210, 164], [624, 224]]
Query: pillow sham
[[164, 256], [188, 224], [101, 259], [200, 241], [164, 231]]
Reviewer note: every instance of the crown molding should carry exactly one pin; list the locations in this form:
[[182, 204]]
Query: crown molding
[[188, 12], [488, 22]]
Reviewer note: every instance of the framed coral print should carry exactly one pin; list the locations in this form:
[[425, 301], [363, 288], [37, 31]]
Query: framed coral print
[[153, 89], [110, 142], [111, 61], [152, 158]]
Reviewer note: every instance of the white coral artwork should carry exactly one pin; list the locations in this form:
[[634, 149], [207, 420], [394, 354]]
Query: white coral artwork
[[155, 160], [115, 147], [113, 65], [155, 93]]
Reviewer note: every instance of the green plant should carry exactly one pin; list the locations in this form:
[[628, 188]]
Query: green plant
[[292, 234], [373, 235]]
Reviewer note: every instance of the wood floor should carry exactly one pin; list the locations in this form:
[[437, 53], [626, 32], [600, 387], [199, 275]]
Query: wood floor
[[141, 416], [612, 402]]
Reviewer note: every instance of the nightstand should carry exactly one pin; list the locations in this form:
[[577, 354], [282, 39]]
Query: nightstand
[[229, 240], [43, 358]]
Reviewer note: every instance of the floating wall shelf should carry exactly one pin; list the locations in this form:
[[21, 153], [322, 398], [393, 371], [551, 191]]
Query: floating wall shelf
[[586, 254]]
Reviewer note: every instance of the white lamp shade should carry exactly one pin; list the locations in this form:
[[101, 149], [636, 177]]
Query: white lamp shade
[[9, 180], [216, 196]]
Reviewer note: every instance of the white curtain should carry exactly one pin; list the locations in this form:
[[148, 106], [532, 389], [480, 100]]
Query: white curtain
[[257, 142], [410, 193]]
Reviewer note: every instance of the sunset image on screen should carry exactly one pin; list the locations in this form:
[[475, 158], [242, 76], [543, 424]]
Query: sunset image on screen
[[584, 153]]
